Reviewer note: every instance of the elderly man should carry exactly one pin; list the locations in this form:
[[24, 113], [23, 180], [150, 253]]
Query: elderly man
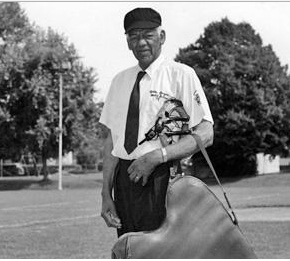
[[139, 174]]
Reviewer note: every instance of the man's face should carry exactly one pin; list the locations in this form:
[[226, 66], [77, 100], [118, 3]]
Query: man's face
[[145, 45]]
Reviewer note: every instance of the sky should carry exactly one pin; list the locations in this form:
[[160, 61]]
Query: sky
[[96, 28]]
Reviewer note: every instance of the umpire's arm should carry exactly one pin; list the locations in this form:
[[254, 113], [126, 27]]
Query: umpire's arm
[[186, 146], [110, 162]]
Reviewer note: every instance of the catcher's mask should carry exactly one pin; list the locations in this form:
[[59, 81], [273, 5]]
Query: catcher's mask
[[170, 123]]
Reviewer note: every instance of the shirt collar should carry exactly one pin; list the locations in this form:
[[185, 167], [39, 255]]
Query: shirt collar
[[154, 66]]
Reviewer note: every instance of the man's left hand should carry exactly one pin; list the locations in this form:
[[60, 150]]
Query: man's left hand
[[142, 167]]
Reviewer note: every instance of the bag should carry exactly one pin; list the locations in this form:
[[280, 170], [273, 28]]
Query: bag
[[197, 225]]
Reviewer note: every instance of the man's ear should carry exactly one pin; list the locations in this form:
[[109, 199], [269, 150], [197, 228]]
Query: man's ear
[[162, 36], [129, 45]]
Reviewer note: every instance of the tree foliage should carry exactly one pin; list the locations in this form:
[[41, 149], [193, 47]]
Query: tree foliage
[[14, 28], [248, 92], [31, 65]]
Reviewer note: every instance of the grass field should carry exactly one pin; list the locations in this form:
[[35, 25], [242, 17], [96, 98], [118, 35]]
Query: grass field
[[38, 221]]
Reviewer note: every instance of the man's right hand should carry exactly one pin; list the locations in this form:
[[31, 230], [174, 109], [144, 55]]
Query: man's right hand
[[109, 213]]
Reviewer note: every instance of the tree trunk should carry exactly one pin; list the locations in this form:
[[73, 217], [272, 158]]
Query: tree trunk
[[35, 165], [44, 165]]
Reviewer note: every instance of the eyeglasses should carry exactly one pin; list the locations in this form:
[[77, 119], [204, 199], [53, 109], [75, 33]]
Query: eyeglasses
[[135, 35]]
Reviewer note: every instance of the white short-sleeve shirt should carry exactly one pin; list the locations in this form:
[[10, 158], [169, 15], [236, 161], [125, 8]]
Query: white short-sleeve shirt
[[163, 79]]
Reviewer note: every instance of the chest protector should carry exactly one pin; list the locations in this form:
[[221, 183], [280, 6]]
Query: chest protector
[[197, 225]]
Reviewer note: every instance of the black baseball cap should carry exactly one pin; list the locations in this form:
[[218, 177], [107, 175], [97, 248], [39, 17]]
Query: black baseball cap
[[141, 18]]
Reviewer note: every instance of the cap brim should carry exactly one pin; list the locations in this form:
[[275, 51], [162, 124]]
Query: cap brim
[[142, 25]]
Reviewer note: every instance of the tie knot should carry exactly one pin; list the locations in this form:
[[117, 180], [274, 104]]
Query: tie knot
[[140, 75]]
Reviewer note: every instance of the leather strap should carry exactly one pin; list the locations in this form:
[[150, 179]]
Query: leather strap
[[204, 153]]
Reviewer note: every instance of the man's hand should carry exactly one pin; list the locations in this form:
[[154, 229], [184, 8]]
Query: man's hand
[[144, 166], [109, 213]]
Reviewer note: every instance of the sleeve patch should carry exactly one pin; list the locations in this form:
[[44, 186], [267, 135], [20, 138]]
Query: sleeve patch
[[197, 98]]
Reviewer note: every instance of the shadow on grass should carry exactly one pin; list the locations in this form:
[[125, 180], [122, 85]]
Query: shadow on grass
[[224, 180], [37, 183], [267, 180], [94, 180], [15, 183]]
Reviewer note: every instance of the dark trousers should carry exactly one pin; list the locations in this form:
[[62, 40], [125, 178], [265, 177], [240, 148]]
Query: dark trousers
[[140, 208]]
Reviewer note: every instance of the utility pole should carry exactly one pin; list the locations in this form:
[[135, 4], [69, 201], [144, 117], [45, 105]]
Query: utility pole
[[65, 66], [60, 133]]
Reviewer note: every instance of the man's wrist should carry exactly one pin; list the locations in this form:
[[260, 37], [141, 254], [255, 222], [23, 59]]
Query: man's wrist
[[164, 155], [156, 157], [106, 192]]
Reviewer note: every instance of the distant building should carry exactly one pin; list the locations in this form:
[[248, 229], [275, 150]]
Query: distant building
[[67, 159], [267, 164]]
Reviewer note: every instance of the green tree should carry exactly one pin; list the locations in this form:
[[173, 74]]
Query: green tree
[[30, 89], [14, 29], [248, 92], [47, 51]]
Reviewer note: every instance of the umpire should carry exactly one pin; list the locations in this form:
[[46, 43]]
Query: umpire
[[139, 174]]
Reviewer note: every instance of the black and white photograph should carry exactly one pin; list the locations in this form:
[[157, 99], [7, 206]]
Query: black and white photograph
[[144, 130]]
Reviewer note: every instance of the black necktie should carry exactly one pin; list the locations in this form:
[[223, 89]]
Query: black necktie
[[132, 124]]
